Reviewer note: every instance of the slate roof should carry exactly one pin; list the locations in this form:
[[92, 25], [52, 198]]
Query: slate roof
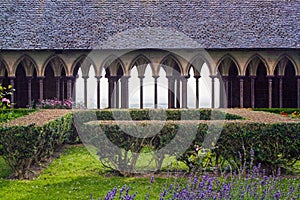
[[122, 24]]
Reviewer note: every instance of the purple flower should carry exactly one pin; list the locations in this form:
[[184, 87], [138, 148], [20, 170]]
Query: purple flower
[[5, 100]]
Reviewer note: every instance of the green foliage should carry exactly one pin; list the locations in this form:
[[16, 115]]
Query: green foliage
[[5, 92], [160, 114], [23, 146], [9, 114], [278, 110], [274, 145]]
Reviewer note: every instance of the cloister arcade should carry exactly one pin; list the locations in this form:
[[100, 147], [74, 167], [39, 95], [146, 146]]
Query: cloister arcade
[[237, 78]]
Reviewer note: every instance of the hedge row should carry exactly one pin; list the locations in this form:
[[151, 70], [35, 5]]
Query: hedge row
[[160, 114], [278, 110], [23, 146], [273, 145]]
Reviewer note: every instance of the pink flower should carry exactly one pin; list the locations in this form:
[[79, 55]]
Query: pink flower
[[5, 100]]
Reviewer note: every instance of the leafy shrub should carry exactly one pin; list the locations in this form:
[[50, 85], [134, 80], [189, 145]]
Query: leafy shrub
[[5, 92], [24, 146], [9, 114], [275, 145]]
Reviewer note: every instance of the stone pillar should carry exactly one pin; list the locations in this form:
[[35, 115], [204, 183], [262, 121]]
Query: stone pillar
[[41, 87], [298, 91], [12, 97], [85, 78], [124, 92], [69, 87], [74, 80], [171, 91], [117, 92], [63, 88], [252, 91], [141, 92], [58, 87], [177, 98], [242, 91], [110, 91], [184, 80], [197, 91], [270, 83], [225, 97], [29, 91], [212, 91], [98, 91], [155, 91], [280, 78]]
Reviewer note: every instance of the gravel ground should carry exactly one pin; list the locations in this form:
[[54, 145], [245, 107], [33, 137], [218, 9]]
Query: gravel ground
[[39, 117], [260, 116]]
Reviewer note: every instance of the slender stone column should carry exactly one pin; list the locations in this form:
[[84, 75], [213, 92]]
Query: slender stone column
[[197, 91], [98, 90], [252, 91], [58, 87], [184, 80], [270, 83], [177, 96], [212, 91], [12, 97], [124, 92], [280, 78], [117, 92], [141, 92], [69, 87], [242, 91], [74, 80], [41, 87], [225, 97], [171, 91], [110, 92], [85, 78], [29, 91], [155, 91], [298, 91], [63, 88]]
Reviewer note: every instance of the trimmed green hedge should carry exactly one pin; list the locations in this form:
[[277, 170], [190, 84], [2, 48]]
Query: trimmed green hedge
[[9, 114], [274, 145], [160, 114], [278, 110], [23, 146]]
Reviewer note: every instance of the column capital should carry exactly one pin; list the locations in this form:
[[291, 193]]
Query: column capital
[[252, 77], [40, 77], [11, 77], [141, 77], [241, 77], [84, 77], [270, 76], [297, 76], [29, 77], [197, 76], [155, 77], [98, 77], [280, 76], [213, 76]]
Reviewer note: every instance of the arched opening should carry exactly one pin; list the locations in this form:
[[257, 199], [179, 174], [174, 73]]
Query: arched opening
[[117, 84], [256, 74], [85, 84], [285, 85], [49, 83], [230, 87], [21, 87], [4, 80], [175, 92]]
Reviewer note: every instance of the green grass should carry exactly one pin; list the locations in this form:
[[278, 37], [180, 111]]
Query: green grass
[[10, 114], [75, 175]]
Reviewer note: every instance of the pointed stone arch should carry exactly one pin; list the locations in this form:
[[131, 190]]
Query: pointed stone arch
[[171, 58], [55, 60], [141, 60], [3, 67], [85, 62], [110, 61], [285, 58], [255, 59], [28, 63], [228, 58]]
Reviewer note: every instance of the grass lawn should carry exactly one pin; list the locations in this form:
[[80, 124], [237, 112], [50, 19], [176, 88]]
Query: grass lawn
[[75, 175]]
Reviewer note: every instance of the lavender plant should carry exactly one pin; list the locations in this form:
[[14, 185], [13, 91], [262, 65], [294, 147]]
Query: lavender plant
[[55, 104]]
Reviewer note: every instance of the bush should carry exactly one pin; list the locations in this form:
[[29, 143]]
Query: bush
[[24, 146], [9, 114], [274, 145]]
